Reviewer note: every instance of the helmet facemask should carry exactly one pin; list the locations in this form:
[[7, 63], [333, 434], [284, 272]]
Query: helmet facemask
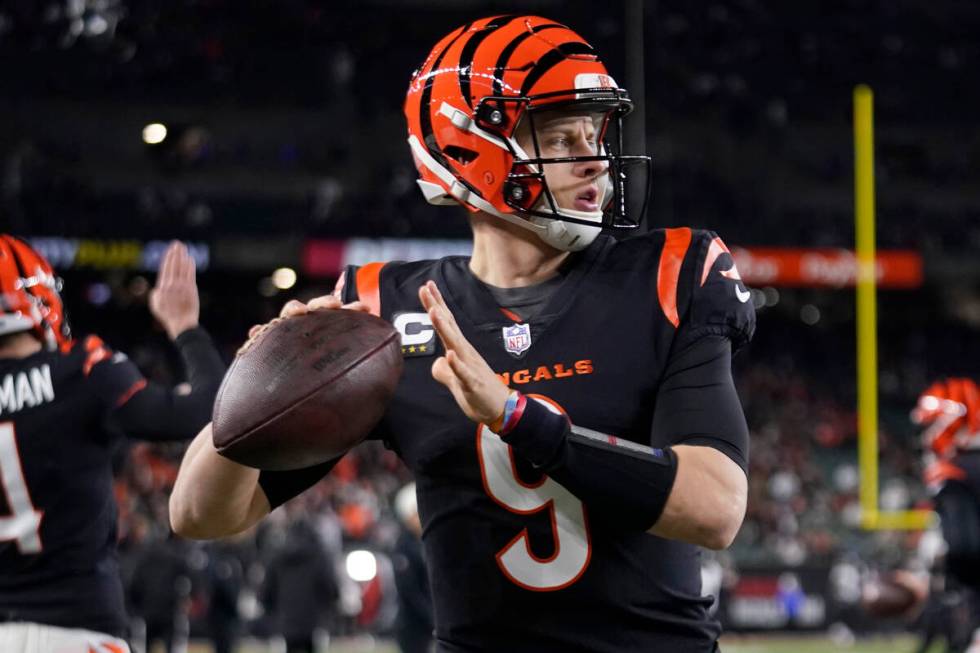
[[619, 186]]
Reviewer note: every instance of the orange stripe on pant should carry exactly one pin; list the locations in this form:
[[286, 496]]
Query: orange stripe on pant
[[676, 242]]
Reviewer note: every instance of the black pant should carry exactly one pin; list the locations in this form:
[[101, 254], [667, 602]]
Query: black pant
[[162, 631], [299, 644]]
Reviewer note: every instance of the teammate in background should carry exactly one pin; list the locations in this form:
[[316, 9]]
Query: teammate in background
[[542, 535], [59, 577], [949, 411], [413, 626]]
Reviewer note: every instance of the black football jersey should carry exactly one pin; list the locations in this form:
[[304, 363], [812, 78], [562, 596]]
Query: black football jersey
[[958, 505], [57, 512], [517, 563]]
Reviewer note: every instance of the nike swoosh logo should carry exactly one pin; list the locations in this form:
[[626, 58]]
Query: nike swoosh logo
[[743, 295]]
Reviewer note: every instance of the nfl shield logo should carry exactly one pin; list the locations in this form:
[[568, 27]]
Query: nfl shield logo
[[517, 338]]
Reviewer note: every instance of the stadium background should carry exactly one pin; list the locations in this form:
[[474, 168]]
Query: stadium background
[[284, 150]]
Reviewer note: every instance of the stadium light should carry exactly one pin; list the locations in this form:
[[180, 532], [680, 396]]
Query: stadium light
[[284, 278], [154, 133], [362, 566]]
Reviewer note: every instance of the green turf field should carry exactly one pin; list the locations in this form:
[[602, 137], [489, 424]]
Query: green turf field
[[729, 645], [820, 645]]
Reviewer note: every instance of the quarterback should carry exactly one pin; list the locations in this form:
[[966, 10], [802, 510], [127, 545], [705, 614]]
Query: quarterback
[[567, 404]]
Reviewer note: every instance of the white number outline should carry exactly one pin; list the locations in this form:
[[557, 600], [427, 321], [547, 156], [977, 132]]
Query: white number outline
[[24, 522], [567, 513]]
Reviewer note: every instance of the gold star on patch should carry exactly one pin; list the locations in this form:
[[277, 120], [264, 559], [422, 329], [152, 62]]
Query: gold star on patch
[[411, 349], [421, 347]]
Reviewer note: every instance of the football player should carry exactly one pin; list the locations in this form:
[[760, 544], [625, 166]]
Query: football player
[[59, 575], [567, 404], [949, 411]]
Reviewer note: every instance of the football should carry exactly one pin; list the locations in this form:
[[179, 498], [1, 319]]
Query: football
[[306, 389], [888, 597]]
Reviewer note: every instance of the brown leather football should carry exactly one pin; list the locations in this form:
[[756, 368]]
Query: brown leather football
[[306, 389], [888, 598]]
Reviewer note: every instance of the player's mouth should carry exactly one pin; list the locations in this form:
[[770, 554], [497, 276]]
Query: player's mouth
[[587, 199]]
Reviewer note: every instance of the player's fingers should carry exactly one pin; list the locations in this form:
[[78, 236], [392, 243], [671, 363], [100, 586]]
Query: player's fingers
[[357, 306], [188, 265], [448, 330], [441, 328], [179, 263], [324, 302], [293, 308], [254, 330], [463, 372], [442, 372], [167, 272], [425, 296]]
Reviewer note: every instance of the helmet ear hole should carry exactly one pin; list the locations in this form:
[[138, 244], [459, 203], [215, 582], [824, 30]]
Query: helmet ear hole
[[491, 116], [460, 154]]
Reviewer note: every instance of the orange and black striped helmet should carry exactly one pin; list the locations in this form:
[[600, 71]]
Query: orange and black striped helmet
[[950, 412], [467, 99], [29, 294]]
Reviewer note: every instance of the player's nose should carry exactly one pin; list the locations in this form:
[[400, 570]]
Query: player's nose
[[591, 168]]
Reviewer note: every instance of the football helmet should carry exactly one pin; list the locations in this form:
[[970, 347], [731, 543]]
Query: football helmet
[[950, 412], [29, 295], [478, 85]]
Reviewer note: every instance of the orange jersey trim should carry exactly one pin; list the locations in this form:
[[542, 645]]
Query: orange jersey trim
[[96, 353], [133, 389], [369, 286], [511, 315], [676, 242]]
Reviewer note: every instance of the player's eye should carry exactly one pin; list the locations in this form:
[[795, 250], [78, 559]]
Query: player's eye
[[557, 142]]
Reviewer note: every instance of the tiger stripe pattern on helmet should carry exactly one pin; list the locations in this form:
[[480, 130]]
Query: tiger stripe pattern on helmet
[[467, 98], [950, 412], [29, 297]]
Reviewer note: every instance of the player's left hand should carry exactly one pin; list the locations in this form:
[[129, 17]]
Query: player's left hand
[[174, 300], [477, 389]]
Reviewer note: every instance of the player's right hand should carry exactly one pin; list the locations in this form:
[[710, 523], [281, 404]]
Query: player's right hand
[[294, 307]]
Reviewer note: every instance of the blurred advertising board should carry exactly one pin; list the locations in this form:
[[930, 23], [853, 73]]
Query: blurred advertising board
[[104, 254], [824, 268]]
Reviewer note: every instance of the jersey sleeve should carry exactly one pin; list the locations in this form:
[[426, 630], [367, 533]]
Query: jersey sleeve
[[111, 375], [361, 283], [718, 303], [280, 487], [697, 403], [714, 317]]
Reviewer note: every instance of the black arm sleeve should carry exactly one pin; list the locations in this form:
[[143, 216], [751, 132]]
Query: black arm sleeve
[[622, 482], [697, 402], [280, 487], [159, 413]]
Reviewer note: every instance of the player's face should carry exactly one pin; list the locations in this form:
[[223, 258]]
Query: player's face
[[574, 185]]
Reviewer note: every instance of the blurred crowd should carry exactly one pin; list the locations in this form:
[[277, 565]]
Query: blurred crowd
[[747, 111]]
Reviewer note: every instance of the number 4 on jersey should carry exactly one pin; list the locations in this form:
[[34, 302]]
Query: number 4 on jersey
[[24, 522]]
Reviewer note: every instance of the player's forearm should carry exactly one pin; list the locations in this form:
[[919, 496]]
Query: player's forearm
[[159, 413], [690, 493], [707, 502], [201, 359], [213, 496]]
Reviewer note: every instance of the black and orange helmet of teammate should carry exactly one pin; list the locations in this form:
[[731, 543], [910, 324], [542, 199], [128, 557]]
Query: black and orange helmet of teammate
[[950, 412], [486, 80], [29, 295]]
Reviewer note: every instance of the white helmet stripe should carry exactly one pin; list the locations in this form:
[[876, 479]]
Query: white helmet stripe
[[463, 194]]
